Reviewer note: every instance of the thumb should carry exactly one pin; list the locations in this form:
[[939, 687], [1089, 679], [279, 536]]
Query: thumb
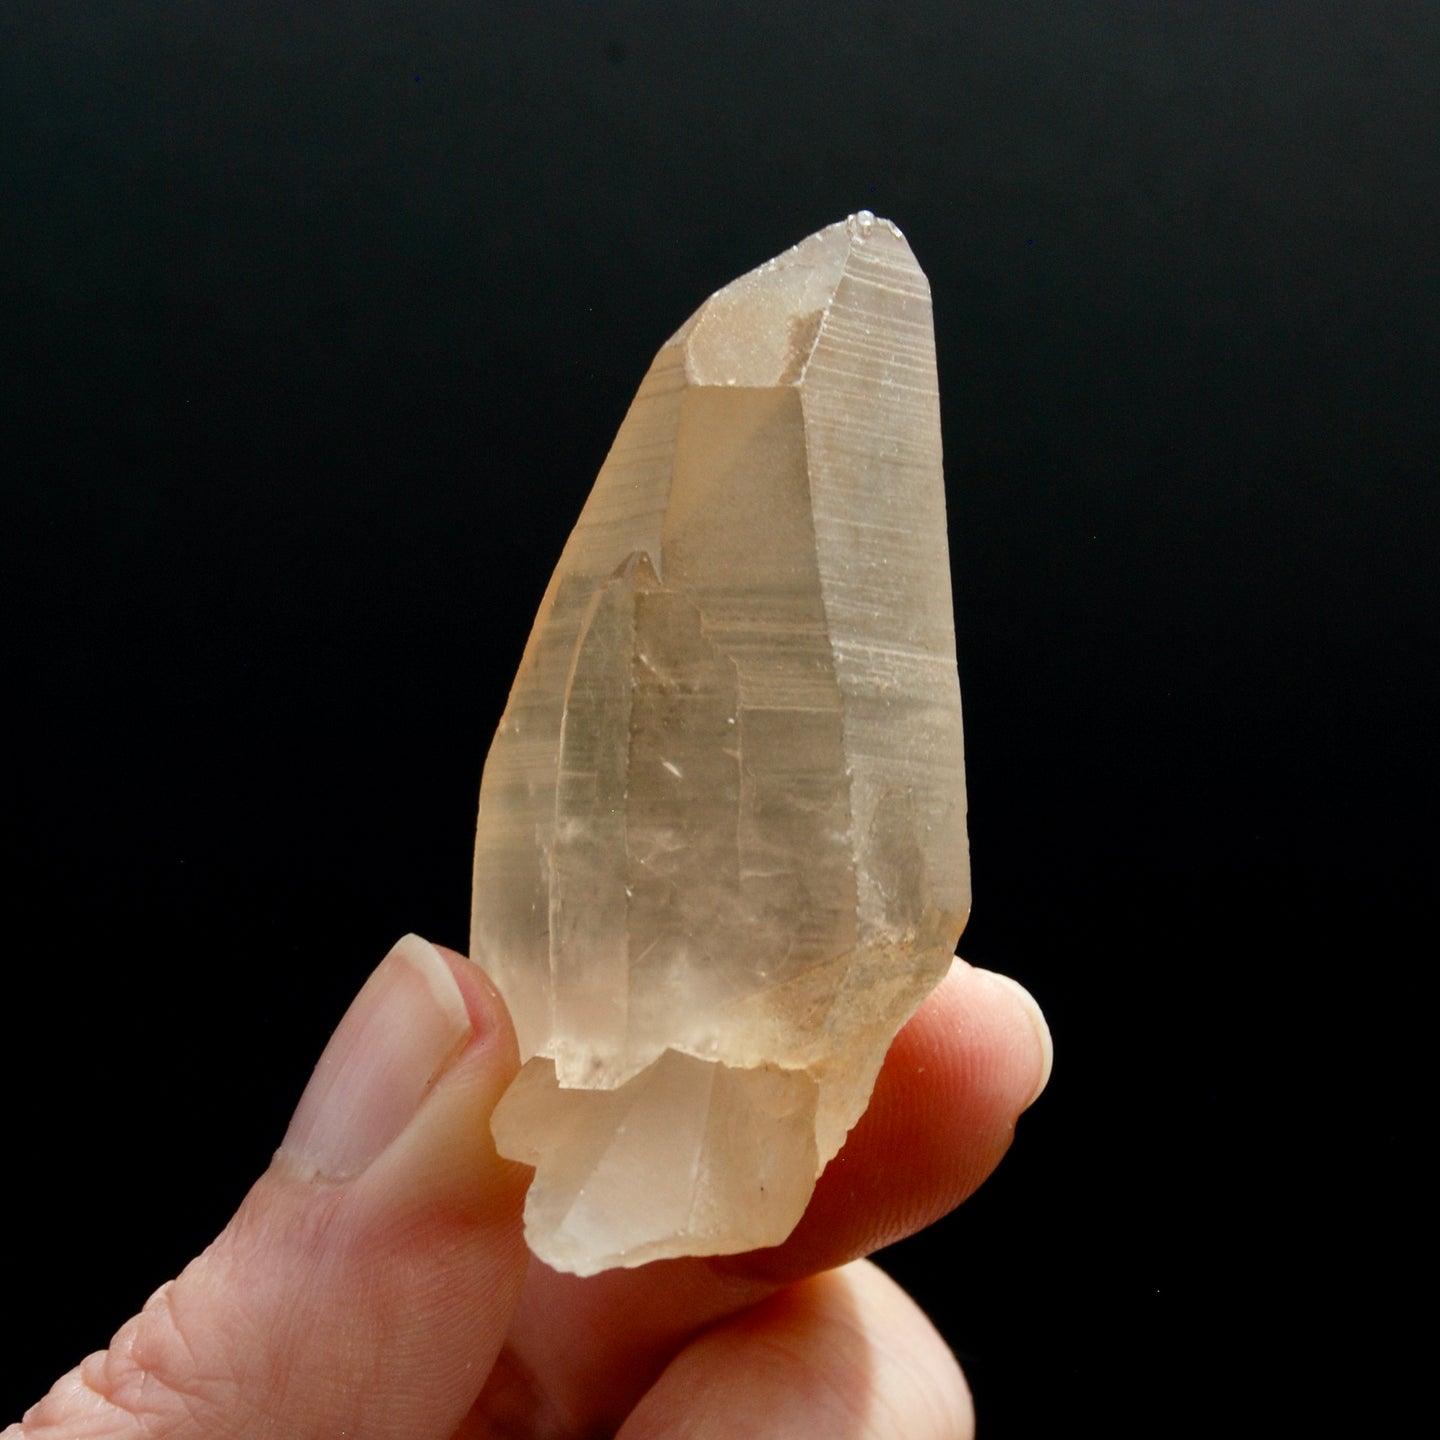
[[367, 1281]]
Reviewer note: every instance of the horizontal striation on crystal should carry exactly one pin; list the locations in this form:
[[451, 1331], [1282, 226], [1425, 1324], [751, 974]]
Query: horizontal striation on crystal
[[721, 852]]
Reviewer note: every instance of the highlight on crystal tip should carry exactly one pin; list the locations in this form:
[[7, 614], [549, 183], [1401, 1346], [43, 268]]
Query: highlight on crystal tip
[[721, 852]]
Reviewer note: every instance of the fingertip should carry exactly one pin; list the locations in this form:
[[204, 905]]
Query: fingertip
[[446, 1159], [1013, 994], [405, 1028], [941, 1118], [490, 1020]]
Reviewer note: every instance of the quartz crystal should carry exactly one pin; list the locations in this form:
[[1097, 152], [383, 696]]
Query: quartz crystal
[[721, 853]]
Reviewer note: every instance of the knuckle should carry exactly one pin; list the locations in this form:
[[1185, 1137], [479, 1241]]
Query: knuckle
[[155, 1381]]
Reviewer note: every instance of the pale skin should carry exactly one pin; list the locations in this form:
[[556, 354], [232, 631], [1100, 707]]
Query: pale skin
[[375, 1284]]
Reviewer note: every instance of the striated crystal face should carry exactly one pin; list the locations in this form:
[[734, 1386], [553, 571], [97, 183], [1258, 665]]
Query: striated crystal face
[[721, 853]]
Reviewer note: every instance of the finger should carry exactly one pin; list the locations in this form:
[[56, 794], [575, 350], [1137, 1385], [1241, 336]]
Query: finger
[[942, 1115], [959, 1075], [846, 1355], [366, 1282]]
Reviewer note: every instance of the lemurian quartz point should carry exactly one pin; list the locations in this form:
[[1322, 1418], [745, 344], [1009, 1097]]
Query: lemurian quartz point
[[721, 854]]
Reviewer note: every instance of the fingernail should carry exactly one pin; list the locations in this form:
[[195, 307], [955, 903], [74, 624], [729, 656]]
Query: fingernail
[[399, 1036], [1037, 1019]]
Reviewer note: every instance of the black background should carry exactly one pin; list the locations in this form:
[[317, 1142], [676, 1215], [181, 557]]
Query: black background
[[317, 322]]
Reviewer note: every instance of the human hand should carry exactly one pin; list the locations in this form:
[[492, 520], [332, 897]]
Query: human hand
[[375, 1282]]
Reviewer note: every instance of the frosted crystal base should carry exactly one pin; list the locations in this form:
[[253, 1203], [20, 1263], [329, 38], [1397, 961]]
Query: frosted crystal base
[[687, 1157], [721, 849]]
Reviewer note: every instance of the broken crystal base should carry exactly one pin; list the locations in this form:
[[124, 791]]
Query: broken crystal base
[[721, 852]]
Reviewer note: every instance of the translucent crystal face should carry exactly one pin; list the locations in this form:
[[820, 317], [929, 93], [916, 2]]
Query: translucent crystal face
[[721, 851]]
